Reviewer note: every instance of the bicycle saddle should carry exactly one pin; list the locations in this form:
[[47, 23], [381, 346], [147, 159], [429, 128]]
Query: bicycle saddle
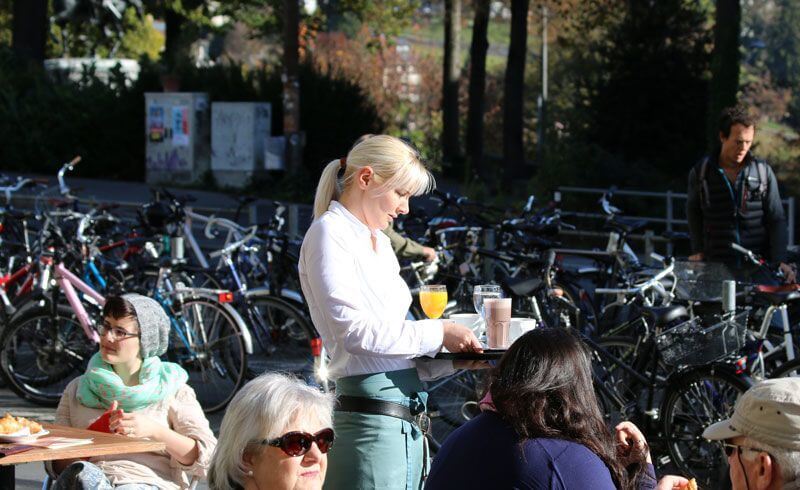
[[776, 295], [627, 225], [524, 286], [663, 315]]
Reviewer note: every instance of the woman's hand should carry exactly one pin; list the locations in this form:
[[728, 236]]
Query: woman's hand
[[631, 443], [134, 425], [672, 482], [458, 338]]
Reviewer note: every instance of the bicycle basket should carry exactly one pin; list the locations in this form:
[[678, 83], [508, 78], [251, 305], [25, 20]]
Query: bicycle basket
[[691, 344]]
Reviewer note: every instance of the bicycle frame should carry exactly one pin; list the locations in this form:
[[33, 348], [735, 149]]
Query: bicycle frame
[[68, 282]]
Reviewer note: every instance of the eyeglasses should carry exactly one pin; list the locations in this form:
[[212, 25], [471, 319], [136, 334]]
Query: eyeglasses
[[117, 333], [731, 448], [299, 443]]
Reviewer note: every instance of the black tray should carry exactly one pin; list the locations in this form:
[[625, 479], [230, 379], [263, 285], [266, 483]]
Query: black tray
[[486, 355]]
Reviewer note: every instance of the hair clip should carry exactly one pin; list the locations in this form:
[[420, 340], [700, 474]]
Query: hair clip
[[342, 166]]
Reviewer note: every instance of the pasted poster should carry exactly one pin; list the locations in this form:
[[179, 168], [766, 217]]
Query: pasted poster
[[180, 125], [155, 124]]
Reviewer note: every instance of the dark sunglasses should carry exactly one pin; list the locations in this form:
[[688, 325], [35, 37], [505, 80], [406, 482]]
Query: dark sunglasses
[[731, 448], [299, 443]]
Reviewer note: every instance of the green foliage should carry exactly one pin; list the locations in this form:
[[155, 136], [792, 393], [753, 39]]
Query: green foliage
[[141, 38], [640, 100], [386, 18], [50, 123], [138, 38], [5, 22], [106, 126]]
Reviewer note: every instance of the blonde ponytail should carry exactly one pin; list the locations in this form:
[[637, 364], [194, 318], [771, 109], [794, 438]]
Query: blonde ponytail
[[395, 163], [326, 188]]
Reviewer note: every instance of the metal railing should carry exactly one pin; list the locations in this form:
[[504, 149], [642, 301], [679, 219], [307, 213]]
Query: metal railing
[[668, 219], [298, 216]]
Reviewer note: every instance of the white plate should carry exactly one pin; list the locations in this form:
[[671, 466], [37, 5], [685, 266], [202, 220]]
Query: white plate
[[22, 438]]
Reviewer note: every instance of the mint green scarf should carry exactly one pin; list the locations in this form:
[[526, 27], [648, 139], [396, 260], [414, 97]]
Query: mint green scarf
[[100, 385]]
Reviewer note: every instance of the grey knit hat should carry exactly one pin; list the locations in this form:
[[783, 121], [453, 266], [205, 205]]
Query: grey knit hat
[[153, 325]]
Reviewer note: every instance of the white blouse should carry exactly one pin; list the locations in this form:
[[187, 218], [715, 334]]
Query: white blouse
[[358, 300]]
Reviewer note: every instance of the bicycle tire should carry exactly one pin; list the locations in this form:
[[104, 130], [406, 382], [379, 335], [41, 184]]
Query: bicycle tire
[[616, 381], [284, 335], [215, 359], [40, 354], [579, 315], [787, 369], [455, 399], [693, 401]]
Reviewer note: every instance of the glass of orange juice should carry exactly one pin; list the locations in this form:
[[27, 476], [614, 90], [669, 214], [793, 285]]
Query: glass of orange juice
[[433, 299]]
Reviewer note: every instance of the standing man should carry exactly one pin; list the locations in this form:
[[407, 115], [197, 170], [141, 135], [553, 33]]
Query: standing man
[[733, 197]]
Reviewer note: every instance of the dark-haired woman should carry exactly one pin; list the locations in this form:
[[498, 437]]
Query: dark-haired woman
[[543, 428], [127, 390]]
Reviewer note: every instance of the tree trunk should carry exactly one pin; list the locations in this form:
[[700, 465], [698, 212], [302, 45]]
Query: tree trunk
[[452, 62], [173, 25], [29, 29], [291, 85], [724, 63], [477, 85], [513, 150]]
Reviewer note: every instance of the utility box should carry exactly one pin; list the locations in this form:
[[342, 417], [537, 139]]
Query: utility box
[[177, 134], [239, 134]]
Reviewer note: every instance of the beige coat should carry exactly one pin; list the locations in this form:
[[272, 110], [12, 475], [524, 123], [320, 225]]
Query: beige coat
[[181, 413]]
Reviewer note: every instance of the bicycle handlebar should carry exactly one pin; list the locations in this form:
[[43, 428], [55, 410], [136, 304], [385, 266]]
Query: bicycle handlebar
[[69, 166], [237, 244], [755, 259]]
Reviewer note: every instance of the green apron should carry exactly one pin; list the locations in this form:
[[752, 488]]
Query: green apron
[[378, 451]]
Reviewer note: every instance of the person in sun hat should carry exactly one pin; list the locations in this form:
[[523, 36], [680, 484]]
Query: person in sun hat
[[762, 437], [128, 390]]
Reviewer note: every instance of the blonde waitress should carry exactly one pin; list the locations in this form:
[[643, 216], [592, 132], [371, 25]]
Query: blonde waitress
[[358, 302]]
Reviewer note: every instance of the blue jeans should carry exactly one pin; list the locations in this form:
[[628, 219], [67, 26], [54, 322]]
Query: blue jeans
[[83, 475]]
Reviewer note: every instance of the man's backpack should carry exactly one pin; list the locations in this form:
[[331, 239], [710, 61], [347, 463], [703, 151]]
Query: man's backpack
[[705, 199]]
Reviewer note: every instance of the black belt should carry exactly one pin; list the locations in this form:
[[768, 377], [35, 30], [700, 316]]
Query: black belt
[[374, 406], [381, 407]]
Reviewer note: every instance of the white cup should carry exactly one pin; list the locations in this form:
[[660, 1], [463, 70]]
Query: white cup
[[473, 321], [519, 326]]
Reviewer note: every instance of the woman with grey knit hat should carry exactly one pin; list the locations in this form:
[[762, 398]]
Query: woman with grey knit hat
[[128, 390]]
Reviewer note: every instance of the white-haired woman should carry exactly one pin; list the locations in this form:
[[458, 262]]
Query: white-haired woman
[[275, 434], [358, 303]]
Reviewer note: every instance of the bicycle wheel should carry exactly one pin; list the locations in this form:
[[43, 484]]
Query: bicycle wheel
[[209, 345], [615, 388], [40, 353], [454, 400], [692, 402], [787, 369], [284, 337], [566, 309]]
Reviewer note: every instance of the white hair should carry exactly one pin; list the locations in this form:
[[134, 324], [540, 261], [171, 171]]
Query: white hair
[[262, 409], [788, 460]]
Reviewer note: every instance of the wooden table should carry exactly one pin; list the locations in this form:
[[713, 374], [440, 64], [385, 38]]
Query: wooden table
[[102, 445]]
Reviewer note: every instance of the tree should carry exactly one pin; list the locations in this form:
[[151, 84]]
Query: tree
[[29, 29], [291, 85], [477, 85], [724, 63], [513, 95], [647, 99], [452, 72]]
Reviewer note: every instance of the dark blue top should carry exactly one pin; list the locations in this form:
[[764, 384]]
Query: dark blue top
[[486, 453]]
